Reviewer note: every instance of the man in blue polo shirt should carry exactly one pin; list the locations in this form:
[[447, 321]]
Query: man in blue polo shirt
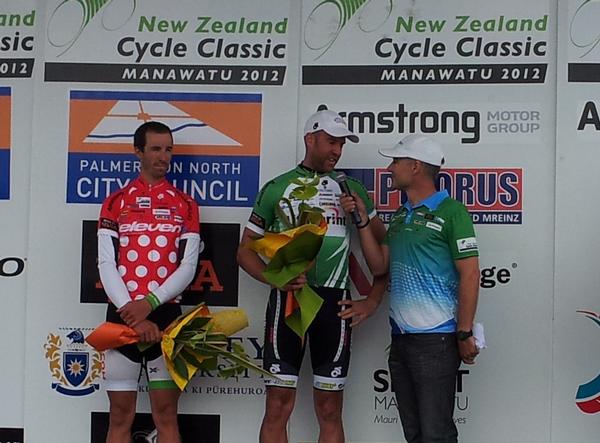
[[432, 255]]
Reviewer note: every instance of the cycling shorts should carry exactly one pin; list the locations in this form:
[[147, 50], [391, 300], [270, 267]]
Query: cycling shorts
[[124, 366], [328, 339]]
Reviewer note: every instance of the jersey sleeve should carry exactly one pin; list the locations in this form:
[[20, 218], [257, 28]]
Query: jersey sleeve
[[191, 222], [108, 251], [190, 247], [358, 187], [263, 214], [461, 235], [109, 214]]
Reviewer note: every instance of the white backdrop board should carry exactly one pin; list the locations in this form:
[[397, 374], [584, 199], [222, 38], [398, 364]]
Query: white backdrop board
[[481, 80], [576, 386], [509, 88], [19, 37]]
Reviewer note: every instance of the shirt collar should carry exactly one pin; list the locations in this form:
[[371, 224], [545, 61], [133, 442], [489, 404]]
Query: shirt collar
[[144, 185], [432, 202], [305, 170]]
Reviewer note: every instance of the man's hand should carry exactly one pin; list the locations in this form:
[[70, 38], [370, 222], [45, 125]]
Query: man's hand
[[467, 350], [148, 332], [295, 283], [358, 310], [135, 312], [352, 203]]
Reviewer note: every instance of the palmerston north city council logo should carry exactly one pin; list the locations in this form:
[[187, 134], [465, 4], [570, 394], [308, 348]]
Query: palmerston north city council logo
[[588, 394], [74, 366], [216, 143]]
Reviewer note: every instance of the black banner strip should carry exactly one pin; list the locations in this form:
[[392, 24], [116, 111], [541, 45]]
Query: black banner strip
[[164, 74], [584, 72], [423, 74], [16, 67]]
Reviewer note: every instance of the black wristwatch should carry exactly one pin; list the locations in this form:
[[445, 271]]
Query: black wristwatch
[[463, 335]]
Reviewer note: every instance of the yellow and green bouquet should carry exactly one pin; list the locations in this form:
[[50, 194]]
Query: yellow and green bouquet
[[293, 250], [194, 341]]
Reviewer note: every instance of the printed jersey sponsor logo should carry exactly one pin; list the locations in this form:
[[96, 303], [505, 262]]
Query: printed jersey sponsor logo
[[466, 244], [148, 227]]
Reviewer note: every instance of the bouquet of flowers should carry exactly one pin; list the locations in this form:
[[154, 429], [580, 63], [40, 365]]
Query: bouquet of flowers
[[292, 251], [195, 340]]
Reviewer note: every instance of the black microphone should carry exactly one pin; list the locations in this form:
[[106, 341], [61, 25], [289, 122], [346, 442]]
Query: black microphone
[[340, 178]]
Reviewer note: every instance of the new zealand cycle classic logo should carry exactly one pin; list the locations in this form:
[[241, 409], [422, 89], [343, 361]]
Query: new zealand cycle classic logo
[[70, 18], [588, 394], [74, 366], [327, 19], [583, 27]]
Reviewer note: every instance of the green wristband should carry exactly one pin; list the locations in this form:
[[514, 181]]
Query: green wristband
[[153, 300]]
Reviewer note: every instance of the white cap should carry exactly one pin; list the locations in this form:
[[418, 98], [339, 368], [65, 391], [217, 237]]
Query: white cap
[[417, 147], [330, 122]]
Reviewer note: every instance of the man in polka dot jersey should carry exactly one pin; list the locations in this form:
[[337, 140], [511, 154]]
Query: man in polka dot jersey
[[148, 246]]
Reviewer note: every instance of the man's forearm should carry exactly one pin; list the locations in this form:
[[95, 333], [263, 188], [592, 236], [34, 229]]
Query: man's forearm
[[468, 294], [251, 263]]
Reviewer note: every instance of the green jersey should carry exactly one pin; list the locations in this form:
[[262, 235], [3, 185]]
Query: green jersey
[[424, 241], [331, 265]]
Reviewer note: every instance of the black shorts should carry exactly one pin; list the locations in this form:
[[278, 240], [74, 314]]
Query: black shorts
[[162, 316], [328, 337]]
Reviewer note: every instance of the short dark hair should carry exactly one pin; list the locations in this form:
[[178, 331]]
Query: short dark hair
[[431, 170], [139, 138]]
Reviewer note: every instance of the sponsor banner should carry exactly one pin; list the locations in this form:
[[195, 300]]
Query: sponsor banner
[[228, 42], [385, 42], [216, 136], [384, 412], [496, 276], [576, 366], [192, 428], [17, 40], [588, 118], [583, 53], [217, 276], [11, 266], [491, 195], [5, 141], [75, 367], [460, 123], [11, 435]]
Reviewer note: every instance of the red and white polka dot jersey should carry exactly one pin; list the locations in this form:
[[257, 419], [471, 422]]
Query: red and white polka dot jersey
[[149, 226]]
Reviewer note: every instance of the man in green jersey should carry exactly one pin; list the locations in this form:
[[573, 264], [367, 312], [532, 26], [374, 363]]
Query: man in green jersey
[[431, 252], [325, 134]]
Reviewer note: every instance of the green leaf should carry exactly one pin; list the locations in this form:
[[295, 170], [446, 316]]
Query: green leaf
[[310, 302], [210, 364], [281, 215], [190, 358], [180, 367], [293, 259], [176, 349], [196, 324], [304, 193]]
